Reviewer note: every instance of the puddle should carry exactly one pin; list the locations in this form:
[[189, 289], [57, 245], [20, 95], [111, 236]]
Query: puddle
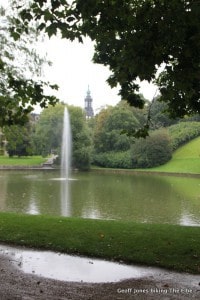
[[67, 267], [80, 269]]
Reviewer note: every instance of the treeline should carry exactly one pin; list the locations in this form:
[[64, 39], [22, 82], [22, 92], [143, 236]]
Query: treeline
[[106, 139], [43, 136]]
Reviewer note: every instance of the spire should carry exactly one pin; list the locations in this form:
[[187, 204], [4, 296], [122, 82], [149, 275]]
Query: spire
[[88, 104]]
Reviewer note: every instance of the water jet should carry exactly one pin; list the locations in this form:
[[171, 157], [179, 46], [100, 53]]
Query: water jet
[[66, 146], [65, 165]]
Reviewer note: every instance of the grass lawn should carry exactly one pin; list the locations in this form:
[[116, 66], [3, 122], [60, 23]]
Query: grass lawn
[[21, 161], [169, 246], [186, 159]]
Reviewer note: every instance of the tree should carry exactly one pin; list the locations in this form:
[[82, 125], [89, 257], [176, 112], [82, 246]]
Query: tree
[[48, 130], [48, 134], [20, 67], [134, 38], [81, 140], [111, 142], [19, 139], [159, 114], [111, 124]]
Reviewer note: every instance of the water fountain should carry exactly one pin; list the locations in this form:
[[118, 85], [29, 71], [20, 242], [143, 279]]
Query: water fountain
[[65, 165], [66, 147]]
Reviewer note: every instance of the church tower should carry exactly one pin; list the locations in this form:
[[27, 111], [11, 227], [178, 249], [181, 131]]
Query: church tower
[[88, 105]]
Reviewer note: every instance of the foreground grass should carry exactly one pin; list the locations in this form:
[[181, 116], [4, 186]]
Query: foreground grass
[[168, 246], [21, 161]]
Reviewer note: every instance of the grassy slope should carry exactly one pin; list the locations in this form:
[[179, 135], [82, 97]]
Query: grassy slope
[[185, 160], [21, 161], [169, 246]]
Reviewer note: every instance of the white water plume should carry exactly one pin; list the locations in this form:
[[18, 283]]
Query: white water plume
[[66, 165]]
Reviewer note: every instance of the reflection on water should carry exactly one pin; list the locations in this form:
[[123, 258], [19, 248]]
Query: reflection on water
[[33, 209], [139, 198], [65, 198]]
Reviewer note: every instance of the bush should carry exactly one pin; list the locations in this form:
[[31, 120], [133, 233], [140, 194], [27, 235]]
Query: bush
[[113, 160], [153, 151], [183, 132], [81, 159]]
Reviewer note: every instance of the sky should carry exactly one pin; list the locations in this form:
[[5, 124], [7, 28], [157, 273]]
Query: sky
[[73, 70]]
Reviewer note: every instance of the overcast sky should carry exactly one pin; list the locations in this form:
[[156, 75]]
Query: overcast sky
[[72, 69]]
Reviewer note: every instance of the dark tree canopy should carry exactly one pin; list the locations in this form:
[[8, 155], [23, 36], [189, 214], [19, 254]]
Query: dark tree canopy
[[134, 38]]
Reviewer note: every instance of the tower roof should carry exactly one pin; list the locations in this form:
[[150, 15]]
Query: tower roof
[[88, 91], [88, 104]]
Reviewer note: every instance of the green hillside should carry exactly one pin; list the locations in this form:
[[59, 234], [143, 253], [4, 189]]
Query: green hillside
[[186, 159]]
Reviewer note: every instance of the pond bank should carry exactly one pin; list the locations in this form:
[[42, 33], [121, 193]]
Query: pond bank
[[103, 170], [146, 172], [169, 246], [25, 168]]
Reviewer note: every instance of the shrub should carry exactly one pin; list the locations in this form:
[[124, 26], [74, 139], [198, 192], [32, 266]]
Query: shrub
[[113, 160], [81, 159], [183, 132], [153, 151]]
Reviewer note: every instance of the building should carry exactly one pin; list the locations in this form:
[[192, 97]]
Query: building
[[34, 117], [88, 105]]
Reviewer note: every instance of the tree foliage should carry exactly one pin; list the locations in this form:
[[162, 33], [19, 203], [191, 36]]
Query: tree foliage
[[159, 116], [48, 134], [112, 124], [113, 159], [155, 150], [183, 132], [81, 140], [48, 131], [134, 38], [111, 142], [19, 139], [20, 68]]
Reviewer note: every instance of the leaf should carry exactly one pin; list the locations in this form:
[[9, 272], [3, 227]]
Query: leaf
[[41, 2], [55, 4], [26, 15], [47, 15], [41, 26], [51, 29]]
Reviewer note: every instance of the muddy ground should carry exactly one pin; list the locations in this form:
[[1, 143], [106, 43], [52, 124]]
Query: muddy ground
[[14, 284]]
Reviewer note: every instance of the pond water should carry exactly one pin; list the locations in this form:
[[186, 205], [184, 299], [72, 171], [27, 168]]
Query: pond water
[[140, 198]]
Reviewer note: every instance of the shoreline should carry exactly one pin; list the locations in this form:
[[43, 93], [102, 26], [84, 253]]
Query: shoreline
[[26, 168], [138, 172], [105, 170]]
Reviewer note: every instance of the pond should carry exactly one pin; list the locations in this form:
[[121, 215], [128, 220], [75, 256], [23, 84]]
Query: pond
[[140, 198]]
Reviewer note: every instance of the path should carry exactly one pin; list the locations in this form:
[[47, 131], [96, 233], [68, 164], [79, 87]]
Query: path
[[15, 285]]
